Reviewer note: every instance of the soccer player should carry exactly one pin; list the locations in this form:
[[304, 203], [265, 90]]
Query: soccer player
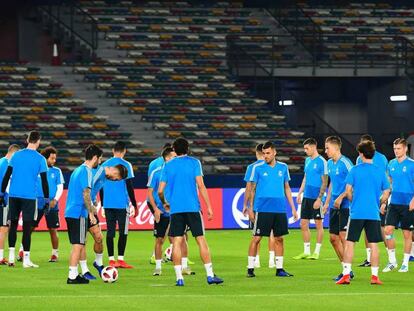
[[115, 198], [4, 228], [246, 202], [338, 169], [99, 177], [24, 168], [365, 184], [313, 188], [381, 161], [161, 216], [401, 208], [80, 210], [56, 181], [269, 191], [182, 176]]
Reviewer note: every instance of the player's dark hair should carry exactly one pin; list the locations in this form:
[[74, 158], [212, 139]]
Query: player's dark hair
[[119, 146], [401, 141], [48, 151], [123, 172], [366, 137], [33, 137], [268, 145], [259, 148], [13, 147], [180, 146], [166, 152], [335, 140], [166, 145], [310, 141], [91, 151], [367, 148]]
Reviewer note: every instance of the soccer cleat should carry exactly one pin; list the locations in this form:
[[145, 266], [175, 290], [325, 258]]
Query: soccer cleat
[[152, 260], [366, 263], [411, 258], [4, 262], [157, 272], [187, 271], [88, 276], [389, 267], [282, 273], [272, 265], [53, 258], [214, 280], [403, 268], [352, 275], [301, 256], [79, 280], [122, 264], [20, 256], [180, 282], [11, 264], [314, 256], [30, 265], [250, 273], [113, 263], [97, 267], [375, 280], [337, 278], [191, 262], [257, 264], [344, 280]]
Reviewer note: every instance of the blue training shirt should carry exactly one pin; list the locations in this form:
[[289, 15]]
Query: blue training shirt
[[337, 172], [54, 179], [115, 191], [270, 187], [368, 182], [379, 160], [154, 182], [248, 174], [156, 163], [180, 175], [4, 163], [402, 179], [314, 170], [80, 179], [27, 164]]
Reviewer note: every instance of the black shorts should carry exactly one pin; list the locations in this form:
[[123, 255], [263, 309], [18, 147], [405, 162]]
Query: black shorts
[[116, 215], [89, 221], [160, 228], [27, 207], [52, 219], [400, 215], [180, 221], [264, 223], [372, 230], [338, 220], [77, 228], [308, 212]]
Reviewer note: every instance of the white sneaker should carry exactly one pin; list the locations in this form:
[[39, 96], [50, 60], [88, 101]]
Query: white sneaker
[[272, 265], [390, 266], [157, 272], [30, 265], [403, 268]]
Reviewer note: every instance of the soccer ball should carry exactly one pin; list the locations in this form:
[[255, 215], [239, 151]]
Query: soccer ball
[[109, 274]]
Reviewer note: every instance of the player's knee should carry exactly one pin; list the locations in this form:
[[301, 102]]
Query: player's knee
[[388, 231], [98, 238], [279, 239], [333, 239]]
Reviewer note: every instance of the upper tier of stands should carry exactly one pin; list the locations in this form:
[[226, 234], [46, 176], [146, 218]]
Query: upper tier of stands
[[171, 71]]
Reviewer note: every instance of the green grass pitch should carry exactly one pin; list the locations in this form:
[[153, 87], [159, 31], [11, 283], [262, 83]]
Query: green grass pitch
[[311, 288]]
